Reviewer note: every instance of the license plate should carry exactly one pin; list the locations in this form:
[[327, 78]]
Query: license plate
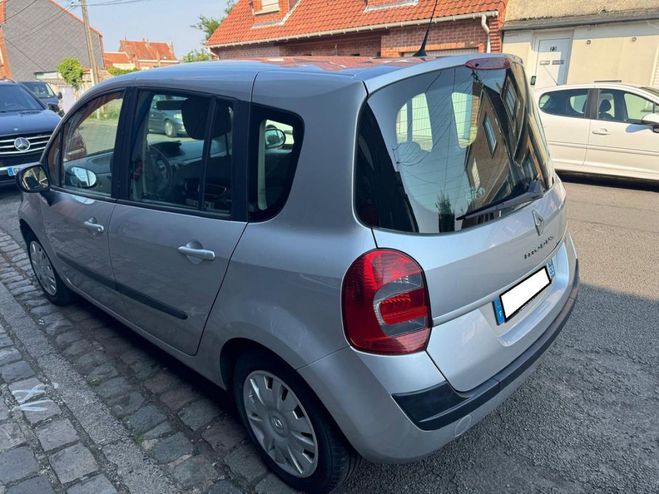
[[512, 301]]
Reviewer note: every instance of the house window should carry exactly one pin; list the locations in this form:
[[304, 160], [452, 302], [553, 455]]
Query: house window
[[264, 6]]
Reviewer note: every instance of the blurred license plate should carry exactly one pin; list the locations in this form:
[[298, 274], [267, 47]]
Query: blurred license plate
[[518, 296]]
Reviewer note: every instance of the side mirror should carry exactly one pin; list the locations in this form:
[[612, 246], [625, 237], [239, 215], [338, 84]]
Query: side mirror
[[33, 179], [81, 177], [274, 138], [54, 107], [59, 95], [652, 119]]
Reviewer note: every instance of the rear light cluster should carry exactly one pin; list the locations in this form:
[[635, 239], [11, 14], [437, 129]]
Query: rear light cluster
[[386, 308]]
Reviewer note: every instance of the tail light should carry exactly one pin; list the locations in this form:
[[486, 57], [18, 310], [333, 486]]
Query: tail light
[[385, 304]]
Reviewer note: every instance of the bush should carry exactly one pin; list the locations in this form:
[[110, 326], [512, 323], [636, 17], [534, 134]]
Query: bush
[[71, 71], [114, 71]]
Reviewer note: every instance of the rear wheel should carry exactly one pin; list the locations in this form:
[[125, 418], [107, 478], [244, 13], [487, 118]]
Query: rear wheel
[[52, 285], [289, 426]]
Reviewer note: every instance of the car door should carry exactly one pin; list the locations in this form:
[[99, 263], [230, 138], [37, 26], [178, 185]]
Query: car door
[[619, 142], [78, 208], [173, 233], [564, 118]]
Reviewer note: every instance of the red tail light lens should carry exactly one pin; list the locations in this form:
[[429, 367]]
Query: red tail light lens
[[385, 304]]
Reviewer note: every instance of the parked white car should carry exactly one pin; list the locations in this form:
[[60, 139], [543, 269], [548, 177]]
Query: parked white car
[[602, 128]]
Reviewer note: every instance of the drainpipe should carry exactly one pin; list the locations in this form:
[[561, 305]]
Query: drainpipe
[[486, 28]]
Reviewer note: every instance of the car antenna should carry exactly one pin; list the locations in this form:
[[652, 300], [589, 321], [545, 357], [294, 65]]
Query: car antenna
[[422, 50]]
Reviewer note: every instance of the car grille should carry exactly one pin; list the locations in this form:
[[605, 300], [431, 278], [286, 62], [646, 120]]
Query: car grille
[[37, 143]]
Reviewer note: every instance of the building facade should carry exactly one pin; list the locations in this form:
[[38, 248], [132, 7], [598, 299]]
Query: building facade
[[387, 28], [581, 41], [36, 36]]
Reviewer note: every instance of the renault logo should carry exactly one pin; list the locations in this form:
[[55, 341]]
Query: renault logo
[[539, 222], [22, 144]]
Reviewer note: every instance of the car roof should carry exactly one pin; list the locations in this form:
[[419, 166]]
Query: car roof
[[377, 71]]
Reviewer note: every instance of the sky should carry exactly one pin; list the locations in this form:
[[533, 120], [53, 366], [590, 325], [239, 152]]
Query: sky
[[157, 20]]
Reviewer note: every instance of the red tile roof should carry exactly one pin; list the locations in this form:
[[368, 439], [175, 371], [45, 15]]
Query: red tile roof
[[317, 17], [147, 50], [116, 57]]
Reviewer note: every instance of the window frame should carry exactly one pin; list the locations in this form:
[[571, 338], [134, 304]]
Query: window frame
[[238, 169], [259, 113], [58, 139]]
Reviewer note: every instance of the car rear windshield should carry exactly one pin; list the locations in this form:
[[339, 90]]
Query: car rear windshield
[[436, 149]]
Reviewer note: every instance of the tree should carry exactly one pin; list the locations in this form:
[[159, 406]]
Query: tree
[[197, 56], [208, 25], [72, 71]]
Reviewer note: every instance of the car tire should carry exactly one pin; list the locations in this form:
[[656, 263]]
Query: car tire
[[328, 460], [170, 129], [50, 282]]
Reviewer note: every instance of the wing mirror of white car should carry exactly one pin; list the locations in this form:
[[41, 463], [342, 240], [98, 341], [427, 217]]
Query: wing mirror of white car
[[653, 120]]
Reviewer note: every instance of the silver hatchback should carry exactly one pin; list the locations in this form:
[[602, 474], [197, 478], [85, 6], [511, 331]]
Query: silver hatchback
[[370, 255]]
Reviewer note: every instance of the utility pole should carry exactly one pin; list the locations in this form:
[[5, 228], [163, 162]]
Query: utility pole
[[90, 44]]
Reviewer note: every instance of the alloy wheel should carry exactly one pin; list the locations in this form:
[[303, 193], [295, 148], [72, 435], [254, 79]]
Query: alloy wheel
[[280, 423], [43, 269]]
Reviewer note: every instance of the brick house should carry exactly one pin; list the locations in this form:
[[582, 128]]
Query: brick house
[[145, 54], [387, 28], [36, 36]]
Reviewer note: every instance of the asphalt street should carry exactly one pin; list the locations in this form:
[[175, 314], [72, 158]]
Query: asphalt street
[[587, 420]]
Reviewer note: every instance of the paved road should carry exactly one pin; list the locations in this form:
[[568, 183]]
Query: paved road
[[586, 421]]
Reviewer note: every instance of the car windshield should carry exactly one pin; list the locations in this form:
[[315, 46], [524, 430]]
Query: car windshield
[[436, 150], [651, 90], [39, 89], [15, 98]]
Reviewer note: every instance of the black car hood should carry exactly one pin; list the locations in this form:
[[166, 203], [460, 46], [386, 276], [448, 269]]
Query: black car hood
[[28, 122]]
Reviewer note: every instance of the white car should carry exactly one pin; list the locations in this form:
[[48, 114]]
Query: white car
[[602, 128]]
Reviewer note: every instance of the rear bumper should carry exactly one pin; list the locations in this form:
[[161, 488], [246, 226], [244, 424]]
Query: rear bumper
[[441, 405]]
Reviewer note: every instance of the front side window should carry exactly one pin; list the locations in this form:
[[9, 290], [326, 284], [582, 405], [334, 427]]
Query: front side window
[[481, 145], [89, 146], [567, 103], [276, 143], [178, 159], [638, 107]]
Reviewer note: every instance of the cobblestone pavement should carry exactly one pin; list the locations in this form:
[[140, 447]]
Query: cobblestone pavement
[[87, 406]]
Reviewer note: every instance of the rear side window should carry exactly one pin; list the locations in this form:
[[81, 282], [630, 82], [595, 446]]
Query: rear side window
[[569, 103], [276, 140], [436, 149], [178, 160]]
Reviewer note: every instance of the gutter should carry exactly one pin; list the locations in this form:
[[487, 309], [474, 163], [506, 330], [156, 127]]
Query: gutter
[[374, 27], [580, 20]]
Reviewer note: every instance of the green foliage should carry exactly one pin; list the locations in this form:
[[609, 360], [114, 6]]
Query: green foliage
[[72, 71], [208, 25], [115, 71], [197, 56]]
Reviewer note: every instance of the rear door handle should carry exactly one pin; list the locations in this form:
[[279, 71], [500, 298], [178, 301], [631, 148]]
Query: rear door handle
[[192, 251], [91, 224], [601, 132]]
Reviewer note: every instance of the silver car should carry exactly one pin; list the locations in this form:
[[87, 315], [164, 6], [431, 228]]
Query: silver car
[[370, 255]]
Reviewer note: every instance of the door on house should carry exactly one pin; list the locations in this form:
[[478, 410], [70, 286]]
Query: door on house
[[553, 60]]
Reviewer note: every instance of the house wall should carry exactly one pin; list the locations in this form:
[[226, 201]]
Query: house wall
[[457, 35], [39, 35], [627, 52]]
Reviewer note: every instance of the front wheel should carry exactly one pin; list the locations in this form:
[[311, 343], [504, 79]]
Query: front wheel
[[52, 285], [289, 426]]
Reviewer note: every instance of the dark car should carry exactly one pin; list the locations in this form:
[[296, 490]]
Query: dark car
[[165, 116], [25, 128], [45, 93]]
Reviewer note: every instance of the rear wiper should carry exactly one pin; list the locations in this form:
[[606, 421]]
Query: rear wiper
[[533, 192]]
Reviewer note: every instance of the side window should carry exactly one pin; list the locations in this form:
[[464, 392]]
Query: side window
[[171, 157], [89, 142], [53, 159], [609, 106], [276, 139], [569, 103], [638, 107]]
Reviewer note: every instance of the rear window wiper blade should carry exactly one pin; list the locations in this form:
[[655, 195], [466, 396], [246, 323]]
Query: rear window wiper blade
[[533, 192]]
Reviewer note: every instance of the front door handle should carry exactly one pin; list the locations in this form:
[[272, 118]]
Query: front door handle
[[195, 252], [91, 224], [601, 132]]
